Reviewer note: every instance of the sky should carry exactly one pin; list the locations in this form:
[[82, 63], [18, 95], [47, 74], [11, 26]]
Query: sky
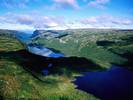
[[65, 14]]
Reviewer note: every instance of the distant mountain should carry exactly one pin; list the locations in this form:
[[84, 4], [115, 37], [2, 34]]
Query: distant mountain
[[22, 36], [22, 74], [49, 33], [11, 33], [99, 45]]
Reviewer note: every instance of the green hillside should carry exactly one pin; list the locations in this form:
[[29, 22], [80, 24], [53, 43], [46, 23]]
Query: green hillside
[[20, 71], [100, 46], [18, 83]]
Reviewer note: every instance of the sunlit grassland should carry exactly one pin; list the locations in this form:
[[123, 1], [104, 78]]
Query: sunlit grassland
[[17, 83], [83, 43], [9, 44]]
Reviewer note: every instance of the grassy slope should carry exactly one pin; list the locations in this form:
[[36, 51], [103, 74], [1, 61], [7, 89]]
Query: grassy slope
[[82, 43], [16, 83]]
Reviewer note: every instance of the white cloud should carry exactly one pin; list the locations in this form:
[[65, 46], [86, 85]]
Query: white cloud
[[78, 25], [47, 21], [101, 4], [66, 3], [108, 21], [9, 4], [90, 20], [55, 4], [15, 26], [25, 21]]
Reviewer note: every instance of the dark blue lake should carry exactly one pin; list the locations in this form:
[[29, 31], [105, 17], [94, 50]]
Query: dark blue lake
[[115, 83]]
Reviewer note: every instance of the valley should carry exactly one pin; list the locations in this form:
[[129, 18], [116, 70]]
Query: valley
[[48, 64]]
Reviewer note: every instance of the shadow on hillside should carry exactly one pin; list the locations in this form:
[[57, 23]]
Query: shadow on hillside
[[124, 41], [44, 66], [105, 43], [129, 56]]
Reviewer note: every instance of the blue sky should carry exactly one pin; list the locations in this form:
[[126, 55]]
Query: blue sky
[[65, 14]]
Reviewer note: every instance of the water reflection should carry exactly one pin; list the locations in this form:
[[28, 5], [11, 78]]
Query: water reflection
[[41, 50], [113, 84], [37, 49]]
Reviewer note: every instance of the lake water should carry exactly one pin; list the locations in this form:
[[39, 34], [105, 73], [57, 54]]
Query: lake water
[[115, 83], [25, 37], [43, 51]]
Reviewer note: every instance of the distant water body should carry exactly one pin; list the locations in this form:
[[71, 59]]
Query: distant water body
[[115, 83], [25, 37], [43, 51]]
